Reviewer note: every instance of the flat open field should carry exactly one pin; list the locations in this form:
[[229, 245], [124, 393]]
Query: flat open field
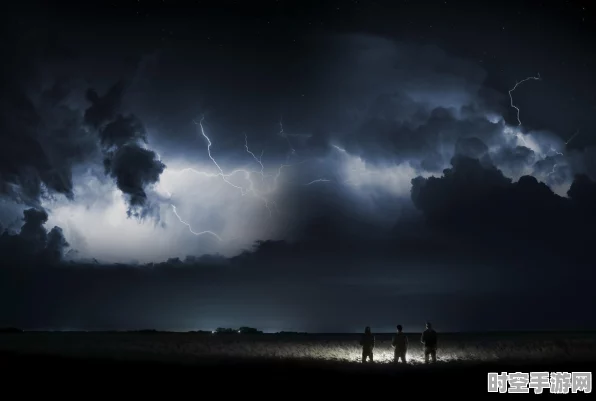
[[321, 357], [192, 347]]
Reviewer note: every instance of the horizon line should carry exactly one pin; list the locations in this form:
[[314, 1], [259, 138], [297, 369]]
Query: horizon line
[[4, 330]]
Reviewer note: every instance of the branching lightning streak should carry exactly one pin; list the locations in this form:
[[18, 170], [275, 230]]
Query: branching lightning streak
[[318, 180], [180, 218], [538, 78], [340, 149], [519, 123], [571, 138], [258, 160], [190, 227], [221, 173], [247, 173], [283, 134]]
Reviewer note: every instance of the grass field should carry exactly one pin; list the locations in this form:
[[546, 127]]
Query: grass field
[[192, 347], [142, 363]]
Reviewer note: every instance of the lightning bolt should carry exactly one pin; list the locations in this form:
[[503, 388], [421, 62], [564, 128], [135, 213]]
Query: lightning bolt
[[571, 138], [252, 188], [221, 173], [538, 78], [318, 180], [247, 173], [258, 160], [553, 170], [190, 227], [206, 232], [519, 123], [283, 134], [287, 136], [518, 133], [342, 150]]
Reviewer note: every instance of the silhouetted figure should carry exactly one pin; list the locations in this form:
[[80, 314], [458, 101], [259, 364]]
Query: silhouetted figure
[[400, 345], [429, 340], [368, 345]]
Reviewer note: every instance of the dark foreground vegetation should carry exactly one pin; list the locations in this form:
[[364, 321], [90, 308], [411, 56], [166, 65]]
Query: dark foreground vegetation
[[231, 376], [277, 366]]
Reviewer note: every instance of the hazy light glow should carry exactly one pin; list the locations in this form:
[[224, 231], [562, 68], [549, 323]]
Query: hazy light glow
[[386, 355], [180, 345], [98, 231], [394, 179]]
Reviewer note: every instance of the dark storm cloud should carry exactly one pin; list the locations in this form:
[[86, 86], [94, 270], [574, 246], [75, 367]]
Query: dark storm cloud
[[478, 202], [133, 167], [33, 229], [33, 244], [38, 153], [390, 101], [371, 92], [121, 131], [382, 100], [56, 244], [41, 133], [396, 100], [104, 108], [471, 147], [517, 158]]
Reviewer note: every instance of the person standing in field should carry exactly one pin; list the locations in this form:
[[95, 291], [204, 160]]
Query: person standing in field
[[400, 345], [429, 340], [368, 345]]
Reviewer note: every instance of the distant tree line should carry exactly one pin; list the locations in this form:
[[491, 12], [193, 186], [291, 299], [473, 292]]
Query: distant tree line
[[251, 330], [241, 330], [10, 330], [219, 330]]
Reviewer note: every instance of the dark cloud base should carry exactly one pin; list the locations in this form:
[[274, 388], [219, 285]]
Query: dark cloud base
[[477, 220]]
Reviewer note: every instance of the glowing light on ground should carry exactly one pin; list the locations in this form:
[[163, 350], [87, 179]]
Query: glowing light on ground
[[454, 348]]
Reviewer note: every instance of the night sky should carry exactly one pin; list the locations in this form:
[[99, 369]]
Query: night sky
[[303, 166]]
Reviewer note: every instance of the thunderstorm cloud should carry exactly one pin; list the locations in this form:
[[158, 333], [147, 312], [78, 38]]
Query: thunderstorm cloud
[[364, 166]]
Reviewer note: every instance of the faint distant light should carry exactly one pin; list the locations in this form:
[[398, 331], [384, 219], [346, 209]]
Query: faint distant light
[[239, 331], [212, 331]]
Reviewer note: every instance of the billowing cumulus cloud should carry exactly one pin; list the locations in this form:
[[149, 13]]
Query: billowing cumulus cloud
[[33, 229], [42, 137], [133, 167], [376, 114], [479, 204], [34, 244]]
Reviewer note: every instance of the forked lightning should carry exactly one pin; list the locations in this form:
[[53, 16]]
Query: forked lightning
[[252, 188]]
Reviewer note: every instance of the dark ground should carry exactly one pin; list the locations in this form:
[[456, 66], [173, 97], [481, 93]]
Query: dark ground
[[263, 378]]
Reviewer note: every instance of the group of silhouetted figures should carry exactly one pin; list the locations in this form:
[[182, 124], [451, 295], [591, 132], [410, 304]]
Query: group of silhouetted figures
[[400, 344]]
